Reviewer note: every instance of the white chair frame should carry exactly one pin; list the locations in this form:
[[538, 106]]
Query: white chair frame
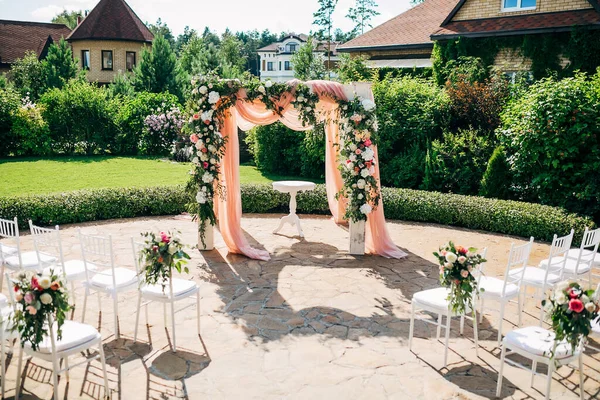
[[9, 229], [170, 299], [585, 255], [5, 334], [101, 249], [518, 257]]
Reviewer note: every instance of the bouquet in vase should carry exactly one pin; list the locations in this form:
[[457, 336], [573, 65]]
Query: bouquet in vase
[[457, 265], [40, 299], [159, 256], [571, 310]]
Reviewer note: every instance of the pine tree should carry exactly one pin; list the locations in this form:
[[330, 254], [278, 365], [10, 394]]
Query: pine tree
[[362, 14], [497, 177], [307, 64], [323, 19], [157, 70], [59, 65]]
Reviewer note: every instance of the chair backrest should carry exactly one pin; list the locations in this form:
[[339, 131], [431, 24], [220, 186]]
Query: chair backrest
[[518, 258], [481, 269], [98, 250], [47, 241], [137, 251], [9, 229], [558, 254], [588, 248]]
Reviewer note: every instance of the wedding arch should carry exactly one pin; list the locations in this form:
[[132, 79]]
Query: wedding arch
[[218, 107]]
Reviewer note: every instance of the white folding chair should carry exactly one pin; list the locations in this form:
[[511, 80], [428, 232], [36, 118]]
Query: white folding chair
[[536, 344], [76, 338], [6, 334], [111, 280], [48, 241], [506, 289], [436, 301], [169, 292], [11, 255], [580, 262], [543, 279], [595, 333]]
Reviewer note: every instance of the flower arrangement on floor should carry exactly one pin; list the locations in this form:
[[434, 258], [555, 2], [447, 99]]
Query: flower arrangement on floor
[[39, 298], [159, 256], [457, 264], [571, 310]]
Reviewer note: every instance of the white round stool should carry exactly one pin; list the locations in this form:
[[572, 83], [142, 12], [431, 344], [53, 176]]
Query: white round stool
[[292, 187]]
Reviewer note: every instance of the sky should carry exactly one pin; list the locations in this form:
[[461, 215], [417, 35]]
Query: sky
[[237, 15]]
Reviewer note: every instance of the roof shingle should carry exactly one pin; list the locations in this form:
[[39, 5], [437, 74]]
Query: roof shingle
[[112, 20], [18, 37]]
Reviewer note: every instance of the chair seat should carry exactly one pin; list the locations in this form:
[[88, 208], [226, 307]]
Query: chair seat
[[29, 259], [123, 277], [493, 287], [7, 250], [570, 265], [586, 255], [74, 269], [181, 288], [74, 334], [538, 341], [557, 263], [535, 276]]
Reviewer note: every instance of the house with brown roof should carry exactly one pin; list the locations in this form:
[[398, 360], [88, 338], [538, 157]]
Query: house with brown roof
[[19, 37], [508, 34], [109, 40]]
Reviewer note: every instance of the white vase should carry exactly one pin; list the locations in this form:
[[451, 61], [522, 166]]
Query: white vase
[[357, 237], [209, 237]]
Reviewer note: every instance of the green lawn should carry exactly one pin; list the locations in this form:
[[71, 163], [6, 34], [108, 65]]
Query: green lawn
[[32, 176]]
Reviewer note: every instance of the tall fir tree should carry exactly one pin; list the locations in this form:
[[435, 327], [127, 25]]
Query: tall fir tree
[[323, 18], [361, 15], [59, 65], [157, 70]]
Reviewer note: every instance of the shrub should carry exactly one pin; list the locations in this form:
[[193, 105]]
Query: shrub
[[509, 217], [31, 131], [312, 153], [276, 148], [552, 137], [59, 66], [497, 178], [9, 103], [161, 129], [80, 117], [28, 76]]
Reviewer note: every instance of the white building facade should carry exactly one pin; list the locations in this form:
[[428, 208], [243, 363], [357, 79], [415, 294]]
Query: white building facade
[[276, 58]]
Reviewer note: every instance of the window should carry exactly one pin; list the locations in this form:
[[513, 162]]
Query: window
[[263, 65], [270, 66], [280, 65], [130, 60], [518, 5], [107, 60], [85, 59], [292, 47], [288, 66]]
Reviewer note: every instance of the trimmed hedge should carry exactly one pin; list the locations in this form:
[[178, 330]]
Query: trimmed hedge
[[502, 216]]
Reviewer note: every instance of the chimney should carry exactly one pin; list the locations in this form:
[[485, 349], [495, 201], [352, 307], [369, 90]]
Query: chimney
[[78, 20]]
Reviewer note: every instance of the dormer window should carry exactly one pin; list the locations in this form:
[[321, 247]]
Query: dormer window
[[518, 5], [292, 47]]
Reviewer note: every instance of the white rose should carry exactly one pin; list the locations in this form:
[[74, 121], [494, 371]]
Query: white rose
[[212, 148], [361, 183], [368, 105], [46, 298], [195, 160], [585, 299], [173, 248], [366, 209], [591, 307], [300, 99], [201, 197], [207, 178], [462, 259], [352, 147], [203, 156], [368, 154], [45, 282], [360, 196], [364, 173], [212, 161], [203, 89], [206, 115], [352, 157], [350, 165], [213, 97], [564, 285], [451, 257], [261, 89], [560, 297], [268, 84], [354, 173]]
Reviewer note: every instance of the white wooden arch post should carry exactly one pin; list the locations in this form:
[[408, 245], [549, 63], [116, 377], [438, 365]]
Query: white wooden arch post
[[356, 245]]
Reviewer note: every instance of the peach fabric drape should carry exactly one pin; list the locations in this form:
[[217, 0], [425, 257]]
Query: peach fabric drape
[[248, 114]]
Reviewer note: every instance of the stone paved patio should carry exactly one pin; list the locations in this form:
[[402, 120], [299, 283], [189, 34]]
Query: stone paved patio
[[312, 323]]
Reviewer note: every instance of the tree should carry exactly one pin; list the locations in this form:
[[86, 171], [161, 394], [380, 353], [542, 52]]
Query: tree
[[353, 69], [229, 53], [416, 2], [162, 29], [362, 14], [341, 36], [59, 66], [323, 19], [157, 71], [28, 76], [184, 38], [307, 63], [69, 18]]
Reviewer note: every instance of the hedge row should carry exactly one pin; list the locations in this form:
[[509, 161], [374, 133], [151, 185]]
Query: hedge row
[[509, 217]]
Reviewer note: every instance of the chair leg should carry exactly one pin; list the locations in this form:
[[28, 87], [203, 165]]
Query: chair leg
[[55, 366], [411, 328], [116, 318], [533, 372], [500, 372], [198, 309], [19, 367], [2, 360], [475, 333], [581, 392], [462, 324], [549, 379], [520, 307], [103, 361], [439, 327], [137, 316], [173, 324], [73, 291], [500, 322], [67, 368], [448, 321], [85, 297], [165, 313], [481, 307]]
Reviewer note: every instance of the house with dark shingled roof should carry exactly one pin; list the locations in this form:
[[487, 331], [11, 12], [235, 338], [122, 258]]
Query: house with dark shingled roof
[[109, 40], [407, 41]]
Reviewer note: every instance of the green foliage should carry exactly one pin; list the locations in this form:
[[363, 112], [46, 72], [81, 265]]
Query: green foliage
[[31, 132], [68, 18], [156, 71], [323, 18], [353, 69], [497, 178], [502, 216], [122, 85], [307, 64], [312, 153], [162, 29], [230, 56], [9, 104], [131, 115], [276, 148], [459, 161], [59, 66], [361, 15], [552, 137], [27, 74], [80, 117]]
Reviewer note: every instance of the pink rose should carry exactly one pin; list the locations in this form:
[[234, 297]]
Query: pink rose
[[29, 297], [368, 142], [576, 305], [31, 310], [205, 165], [358, 151], [19, 296], [194, 138], [196, 116], [204, 150], [464, 273]]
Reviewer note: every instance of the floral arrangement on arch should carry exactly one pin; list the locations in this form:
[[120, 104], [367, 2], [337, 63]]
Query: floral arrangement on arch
[[457, 265], [160, 255], [40, 298], [571, 310]]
